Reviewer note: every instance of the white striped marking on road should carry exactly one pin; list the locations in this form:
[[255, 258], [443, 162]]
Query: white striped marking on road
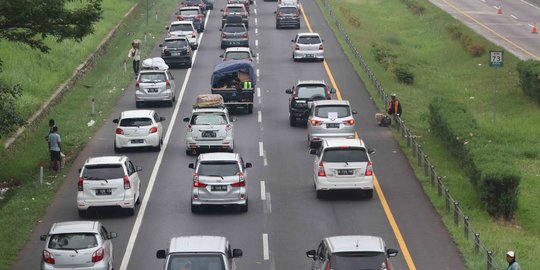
[[483, 1], [525, 2], [255, 10], [259, 117], [257, 57], [265, 160], [496, 7], [268, 204], [256, 21], [530, 25], [256, 31], [261, 149], [266, 255], [258, 73], [511, 15], [257, 45], [258, 92], [263, 191], [155, 170]]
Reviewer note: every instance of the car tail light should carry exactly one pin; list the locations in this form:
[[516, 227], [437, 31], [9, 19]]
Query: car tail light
[[193, 34], [315, 122], [80, 184], [48, 257], [189, 128], [228, 127], [241, 176], [201, 5], [245, 35], [297, 47], [153, 130], [222, 35], [127, 185], [137, 86], [196, 182], [349, 122], [168, 84], [280, 14], [321, 172], [199, 16], [119, 131], [369, 171], [180, 18], [321, 47], [98, 255], [328, 265], [239, 184]]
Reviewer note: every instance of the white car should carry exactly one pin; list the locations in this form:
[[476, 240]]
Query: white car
[[308, 46], [108, 181], [238, 53], [343, 164], [184, 28], [209, 129], [330, 119], [138, 128]]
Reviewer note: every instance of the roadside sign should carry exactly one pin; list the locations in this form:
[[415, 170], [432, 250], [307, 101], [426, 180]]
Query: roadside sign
[[496, 58]]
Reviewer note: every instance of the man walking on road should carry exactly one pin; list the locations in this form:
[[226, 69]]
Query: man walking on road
[[55, 148], [135, 53], [511, 259], [394, 107]]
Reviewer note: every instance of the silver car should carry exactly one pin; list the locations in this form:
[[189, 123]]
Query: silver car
[[330, 119], [219, 179], [209, 129], [154, 85], [138, 128], [308, 46], [77, 245]]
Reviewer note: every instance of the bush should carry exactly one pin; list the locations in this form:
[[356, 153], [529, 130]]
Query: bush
[[476, 50], [465, 40], [383, 54], [454, 31], [529, 78], [403, 74], [414, 6]]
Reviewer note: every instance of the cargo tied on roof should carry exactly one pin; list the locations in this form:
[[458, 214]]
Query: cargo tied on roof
[[209, 101], [156, 63]]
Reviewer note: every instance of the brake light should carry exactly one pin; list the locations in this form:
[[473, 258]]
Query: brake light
[[239, 184], [296, 47], [350, 122], [98, 255], [153, 130], [280, 14], [199, 16], [80, 184], [127, 185], [328, 265], [168, 84], [241, 177], [315, 122], [189, 128], [119, 131], [180, 18], [196, 182], [137, 86], [193, 34], [201, 5], [369, 171], [245, 35], [320, 47], [228, 127], [321, 172], [48, 257], [222, 35]]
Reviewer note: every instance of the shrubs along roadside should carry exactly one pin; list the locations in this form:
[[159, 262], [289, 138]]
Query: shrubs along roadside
[[529, 78], [486, 163], [474, 49], [386, 57]]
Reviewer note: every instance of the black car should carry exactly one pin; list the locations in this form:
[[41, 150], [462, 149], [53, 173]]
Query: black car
[[209, 4], [176, 51], [287, 16], [235, 13], [197, 3], [302, 95]]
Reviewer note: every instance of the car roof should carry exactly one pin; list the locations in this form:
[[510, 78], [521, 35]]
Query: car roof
[[105, 160], [181, 22], [238, 49], [190, 7], [309, 34], [81, 226], [337, 142], [235, 24], [311, 82], [198, 243], [330, 102], [234, 5], [176, 38], [137, 113], [219, 109], [289, 4], [351, 243], [218, 156]]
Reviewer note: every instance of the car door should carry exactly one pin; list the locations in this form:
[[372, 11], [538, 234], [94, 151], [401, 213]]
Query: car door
[[107, 245], [133, 175], [171, 81], [320, 257], [157, 121]]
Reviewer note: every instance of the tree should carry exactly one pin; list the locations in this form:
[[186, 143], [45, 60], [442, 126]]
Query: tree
[[32, 21]]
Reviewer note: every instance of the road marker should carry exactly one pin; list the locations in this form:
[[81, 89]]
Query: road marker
[[263, 191], [258, 92], [259, 116], [261, 149], [266, 255]]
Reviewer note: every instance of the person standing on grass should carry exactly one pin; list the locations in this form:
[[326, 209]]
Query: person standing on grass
[[55, 148], [394, 107], [51, 125], [135, 53], [511, 259]]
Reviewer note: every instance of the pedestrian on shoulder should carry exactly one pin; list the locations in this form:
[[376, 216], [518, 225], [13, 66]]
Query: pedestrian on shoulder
[[394, 106], [511, 259], [51, 125], [135, 53], [55, 148]]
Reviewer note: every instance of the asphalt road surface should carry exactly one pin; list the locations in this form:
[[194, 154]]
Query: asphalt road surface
[[285, 218]]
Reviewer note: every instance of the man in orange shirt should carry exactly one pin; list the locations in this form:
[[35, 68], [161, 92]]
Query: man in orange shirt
[[394, 107]]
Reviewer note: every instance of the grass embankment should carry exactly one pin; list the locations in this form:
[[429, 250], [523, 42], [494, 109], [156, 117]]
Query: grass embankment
[[19, 215], [443, 68]]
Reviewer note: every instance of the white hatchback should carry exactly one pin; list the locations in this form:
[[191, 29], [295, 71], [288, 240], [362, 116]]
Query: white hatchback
[[138, 128], [108, 181], [184, 28]]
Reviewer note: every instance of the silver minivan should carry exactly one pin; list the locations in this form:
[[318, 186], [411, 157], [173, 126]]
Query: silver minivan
[[155, 85], [219, 179], [209, 129], [330, 119]]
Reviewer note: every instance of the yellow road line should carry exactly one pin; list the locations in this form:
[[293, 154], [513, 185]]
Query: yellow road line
[[492, 31], [382, 198]]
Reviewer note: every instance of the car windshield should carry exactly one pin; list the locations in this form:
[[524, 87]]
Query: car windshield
[[348, 154], [195, 262], [327, 111], [359, 260], [152, 77], [308, 40], [102, 172], [73, 241], [136, 122], [188, 12], [288, 10], [209, 118], [237, 55], [234, 29], [180, 27], [235, 10], [310, 91], [192, 2], [177, 43], [218, 168]]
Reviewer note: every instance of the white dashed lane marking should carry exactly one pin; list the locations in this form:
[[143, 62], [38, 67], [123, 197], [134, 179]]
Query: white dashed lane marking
[[266, 254]]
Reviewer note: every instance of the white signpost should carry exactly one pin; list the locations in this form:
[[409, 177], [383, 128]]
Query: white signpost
[[496, 61]]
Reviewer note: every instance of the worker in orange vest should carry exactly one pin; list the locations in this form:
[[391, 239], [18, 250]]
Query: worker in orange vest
[[394, 107]]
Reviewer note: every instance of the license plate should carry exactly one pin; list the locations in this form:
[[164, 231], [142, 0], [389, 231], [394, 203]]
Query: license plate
[[137, 141], [175, 54], [333, 125], [218, 188], [345, 171], [209, 134], [152, 90], [310, 55], [105, 191]]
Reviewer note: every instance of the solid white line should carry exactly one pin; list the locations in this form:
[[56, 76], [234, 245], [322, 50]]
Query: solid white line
[[265, 246], [261, 149], [532, 5], [513, 16], [155, 170], [263, 191], [530, 25], [258, 92], [257, 45], [258, 73], [259, 117]]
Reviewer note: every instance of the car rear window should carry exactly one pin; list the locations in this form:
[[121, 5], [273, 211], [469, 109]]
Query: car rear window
[[71, 241], [235, 10], [309, 40], [152, 77], [189, 12], [234, 29], [192, 2], [196, 261], [323, 111], [310, 91], [103, 172], [218, 168], [288, 10], [368, 260], [237, 55], [177, 43], [180, 27], [209, 118], [350, 154], [136, 122]]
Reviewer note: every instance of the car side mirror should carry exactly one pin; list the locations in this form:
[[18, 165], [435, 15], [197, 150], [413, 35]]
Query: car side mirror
[[112, 235], [248, 165], [354, 112], [80, 169], [221, 55], [191, 166], [332, 91], [160, 45], [292, 40], [138, 168], [43, 237], [161, 119], [275, 12], [288, 91], [237, 253], [115, 121], [166, 28], [311, 254], [161, 254], [186, 119], [371, 151], [391, 252], [221, 10], [234, 119], [313, 151]]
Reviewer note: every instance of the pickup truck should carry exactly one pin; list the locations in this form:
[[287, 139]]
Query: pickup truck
[[235, 81]]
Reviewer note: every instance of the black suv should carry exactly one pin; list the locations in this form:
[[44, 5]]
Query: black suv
[[302, 94], [176, 51], [287, 16]]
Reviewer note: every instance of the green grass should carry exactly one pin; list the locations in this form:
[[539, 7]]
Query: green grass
[[443, 68], [20, 214]]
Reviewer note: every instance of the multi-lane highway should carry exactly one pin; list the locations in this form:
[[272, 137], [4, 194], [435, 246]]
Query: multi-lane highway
[[285, 218]]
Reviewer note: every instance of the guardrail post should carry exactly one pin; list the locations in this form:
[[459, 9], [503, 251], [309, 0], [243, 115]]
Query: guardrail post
[[419, 152], [489, 255], [432, 175], [439, 185], [426, 166], [403, 131], [456, 213], [447, 200], [413, 146], [466, 227], [476, 242]]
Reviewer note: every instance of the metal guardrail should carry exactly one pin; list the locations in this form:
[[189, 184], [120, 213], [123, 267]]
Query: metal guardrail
[[451, 205]]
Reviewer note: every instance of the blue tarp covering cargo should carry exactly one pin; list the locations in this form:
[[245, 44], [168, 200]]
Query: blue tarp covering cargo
[[226, 70]]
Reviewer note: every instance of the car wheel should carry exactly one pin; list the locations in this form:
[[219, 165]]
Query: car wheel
[[277, 26], [195, 209], [188, 152], [222, 46], [116, 149], [244, 208], [320, 194], [170, 103], [369, 193], [313, 144], [83, 213], [138, 201], [131, 211], [158, 147], [190, 64], [138, 104], [292, 121], [250, 108]]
